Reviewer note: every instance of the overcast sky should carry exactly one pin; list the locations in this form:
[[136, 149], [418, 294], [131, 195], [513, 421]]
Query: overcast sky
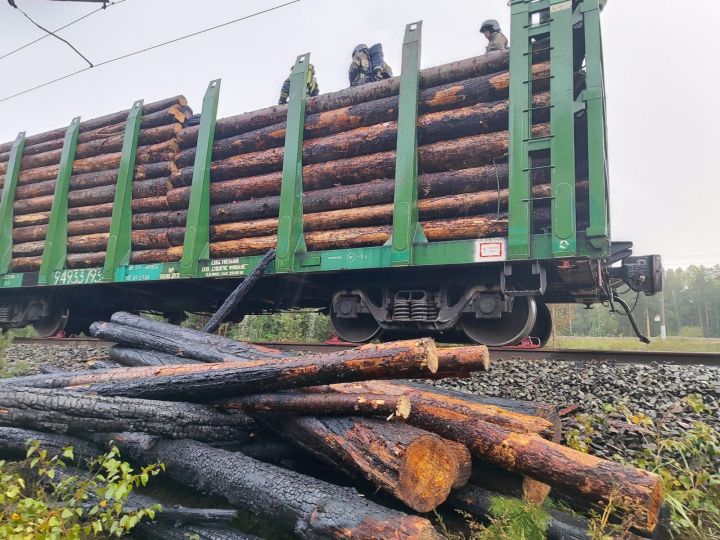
[[661, 56]]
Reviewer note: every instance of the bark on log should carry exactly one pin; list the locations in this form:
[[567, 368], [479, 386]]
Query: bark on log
[[431, 77], [416, 467], [62, 411], [14, 444], [221, 346], [95, 179], [314, 403], [570, 471], [402, 359], [477, 501], [372, 127], [459, 153], [153, 153], [102, 121], [164, 531], [141, 189], [307, 507], [129, 357], [98, 147]]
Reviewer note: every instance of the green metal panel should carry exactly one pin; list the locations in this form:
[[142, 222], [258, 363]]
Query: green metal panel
[[520, 203], [55, 251], [562, 124], [196, 244], [407, 231], [598, 232], [290, 239], [120, 240], [6, 203]]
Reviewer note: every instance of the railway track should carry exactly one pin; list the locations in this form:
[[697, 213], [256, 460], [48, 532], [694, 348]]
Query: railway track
[[496, 353]]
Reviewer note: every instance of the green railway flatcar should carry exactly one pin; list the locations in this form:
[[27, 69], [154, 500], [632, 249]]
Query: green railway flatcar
[[547, 241]]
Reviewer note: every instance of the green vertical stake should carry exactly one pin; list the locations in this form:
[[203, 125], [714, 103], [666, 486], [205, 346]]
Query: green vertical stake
[[196, 244], [55, 251], [407, 229], [290, 239], [119, 244], [6, 203]]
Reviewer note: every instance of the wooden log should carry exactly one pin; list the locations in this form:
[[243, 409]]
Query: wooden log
[[416, 467], [441, 156], [153, 153], [201, 531], [129, 357], [141, 189], [14, 444], [637, 491], [402, 359], [372, 127], [102, 121], [304, 506], [232, 301], [220, 346], [63, 411], [316, 403], [477, 501], [491, 477], [98, 147], [144, 221], [436, 76]]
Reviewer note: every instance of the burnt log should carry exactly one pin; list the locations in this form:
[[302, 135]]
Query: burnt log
[[305, 506], [416, 467], [63, 411], [129, 357], [200, 531], [402, 359], [14, 444], [221, 344]]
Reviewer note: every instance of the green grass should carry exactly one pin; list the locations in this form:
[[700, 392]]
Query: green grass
[[671, 344]]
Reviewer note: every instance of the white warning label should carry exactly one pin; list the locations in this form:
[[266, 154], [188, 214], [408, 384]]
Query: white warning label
[[490, 249]]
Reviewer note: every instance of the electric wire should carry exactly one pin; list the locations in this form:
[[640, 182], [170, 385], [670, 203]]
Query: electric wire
[[29, 43], [150, 48], [81, 55]]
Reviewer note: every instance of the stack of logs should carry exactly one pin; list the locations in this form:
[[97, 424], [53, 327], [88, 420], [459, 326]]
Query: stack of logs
[[348, 174], [92, 184], [221, 414]]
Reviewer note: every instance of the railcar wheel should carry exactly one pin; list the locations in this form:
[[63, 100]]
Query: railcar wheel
[[362, 329], [509, 329], [543, 324], [55, 321]]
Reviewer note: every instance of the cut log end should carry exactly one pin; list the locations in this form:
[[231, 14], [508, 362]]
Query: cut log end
[[403, 408], [428, 473], [432, 361], [410, 527]]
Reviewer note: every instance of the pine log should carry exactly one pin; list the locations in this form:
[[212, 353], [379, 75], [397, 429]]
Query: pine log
[[221, 346], [14, 444], [232, 301], [526, 453], [63, 411], [431, 77], [107, 145], [459, 153], [144, 221], [317, 403], [416, 467], [91, 196], [102, 121], [342, 135], [129, 357], [488, 476], [477, 501], [95, 179], [304, 506]]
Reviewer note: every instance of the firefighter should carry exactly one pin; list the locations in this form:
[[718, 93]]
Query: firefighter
[[368, 65], [312, 86], [496, 39]]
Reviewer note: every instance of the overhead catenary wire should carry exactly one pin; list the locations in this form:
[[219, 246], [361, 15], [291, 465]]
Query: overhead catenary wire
[[29, 43], [150, 48], [50, 33]]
